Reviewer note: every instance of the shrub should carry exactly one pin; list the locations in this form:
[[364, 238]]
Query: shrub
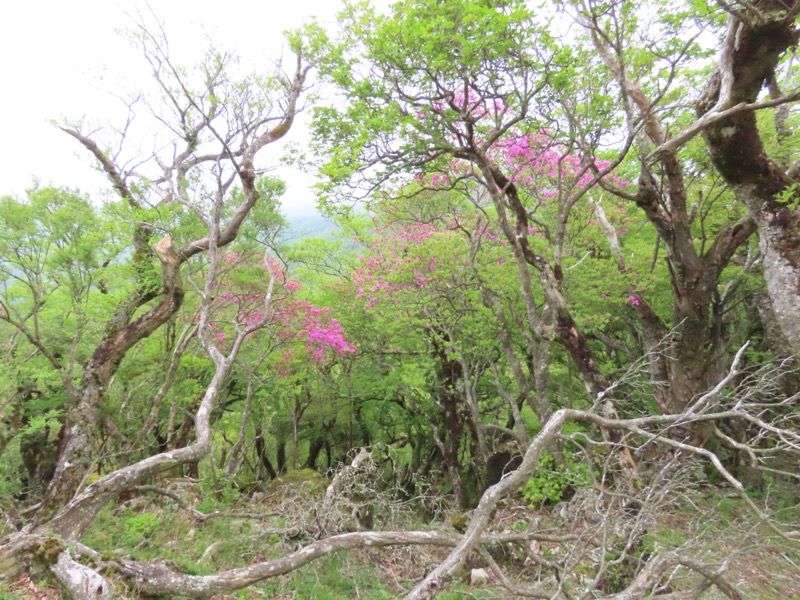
[[138, 527], [550, 483]]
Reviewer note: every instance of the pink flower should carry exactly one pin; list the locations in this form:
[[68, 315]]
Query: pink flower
[[634, 300]]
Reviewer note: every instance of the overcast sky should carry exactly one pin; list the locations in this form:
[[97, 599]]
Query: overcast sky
[[57, 56]]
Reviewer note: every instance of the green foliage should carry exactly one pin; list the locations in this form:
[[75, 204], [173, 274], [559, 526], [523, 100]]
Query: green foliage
[[10, 468], [489, 47], [138, 527], [550, 482], [218, 494], [790, 196], [334, 579], [49, 420]]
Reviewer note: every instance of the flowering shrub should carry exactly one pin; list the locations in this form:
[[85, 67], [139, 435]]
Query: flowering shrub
[[287, 317]]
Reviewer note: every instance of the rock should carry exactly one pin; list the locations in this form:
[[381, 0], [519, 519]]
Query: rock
[[478, 577]]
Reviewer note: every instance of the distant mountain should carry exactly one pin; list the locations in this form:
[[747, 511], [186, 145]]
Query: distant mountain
[[311, 225]]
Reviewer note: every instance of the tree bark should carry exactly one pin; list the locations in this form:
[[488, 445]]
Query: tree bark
[[81, 582], [233, 460], [748, 59], [154, 578], [695, 344], [264, 463]]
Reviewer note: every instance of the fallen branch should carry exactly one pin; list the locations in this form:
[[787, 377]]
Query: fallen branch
[[430, 585], [80, 581], [323, 517], [155, 578]]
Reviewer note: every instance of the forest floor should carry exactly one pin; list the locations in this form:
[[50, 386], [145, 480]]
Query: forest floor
[[710, 523]]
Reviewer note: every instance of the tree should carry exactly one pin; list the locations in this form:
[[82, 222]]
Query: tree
[[507, 109], [756, 41], [210, 171], [454, 84], [697, 257], [442, 99], [56, 272]]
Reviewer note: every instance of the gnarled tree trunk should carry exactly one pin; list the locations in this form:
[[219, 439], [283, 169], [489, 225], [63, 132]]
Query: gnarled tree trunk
[[748, 60]]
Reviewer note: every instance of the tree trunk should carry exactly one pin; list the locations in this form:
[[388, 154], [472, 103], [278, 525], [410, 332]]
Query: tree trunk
[[748, 60], [39, 455], [240, 441], [281, 455], [314, 448], [449, 374], [81, 582], [779, 241], [263, 458], [762, 314], [77, 448], [566, 331]]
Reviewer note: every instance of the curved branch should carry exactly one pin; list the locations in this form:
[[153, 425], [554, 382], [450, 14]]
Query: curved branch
[[710, 118], [157, 579], [108, 167]]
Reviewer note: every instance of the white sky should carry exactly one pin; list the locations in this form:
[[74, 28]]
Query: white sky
[[58, 57]]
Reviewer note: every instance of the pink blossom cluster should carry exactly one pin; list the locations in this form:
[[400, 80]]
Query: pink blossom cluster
[[472, 105], [288, 318], [321, 332], [301, 320], [535, 161], [476, 106], [219, 335], [631, 298], [396, 264], [392, 254]]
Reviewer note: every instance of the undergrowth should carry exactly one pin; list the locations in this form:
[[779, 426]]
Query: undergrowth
[[709, 522]]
